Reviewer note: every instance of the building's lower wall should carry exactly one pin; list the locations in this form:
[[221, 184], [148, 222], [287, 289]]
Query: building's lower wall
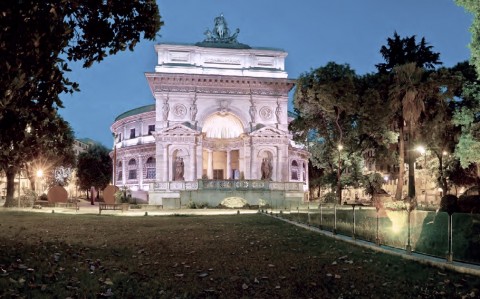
[[213, 198]]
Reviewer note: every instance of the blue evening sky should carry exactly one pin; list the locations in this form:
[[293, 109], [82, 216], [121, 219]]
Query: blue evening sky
[[313, 32]]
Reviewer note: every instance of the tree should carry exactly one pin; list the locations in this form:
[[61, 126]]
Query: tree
[[334, 117], [438, 131], [468, 118], [94, 168], [406, 64], [49, 140], [473, 6], [37, 39], [399, 51], [55, 151]]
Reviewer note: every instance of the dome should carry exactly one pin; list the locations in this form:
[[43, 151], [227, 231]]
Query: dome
[[222, 126]]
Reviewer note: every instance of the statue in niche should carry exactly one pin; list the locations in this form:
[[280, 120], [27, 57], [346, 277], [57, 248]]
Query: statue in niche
[[253, 112], [179, 170], [193, 111], [266, 169], [278, 112], [166, 109]]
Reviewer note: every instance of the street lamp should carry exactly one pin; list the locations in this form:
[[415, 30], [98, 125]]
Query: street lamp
[[40, 177], [423, 152], [340, 148]]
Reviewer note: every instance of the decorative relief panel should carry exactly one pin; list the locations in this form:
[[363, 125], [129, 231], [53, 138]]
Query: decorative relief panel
[[177, 186], [179, 110], [266, 113], [174, 139]]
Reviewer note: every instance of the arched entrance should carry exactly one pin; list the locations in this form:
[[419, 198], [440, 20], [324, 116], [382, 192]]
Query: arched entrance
[[221, 147]]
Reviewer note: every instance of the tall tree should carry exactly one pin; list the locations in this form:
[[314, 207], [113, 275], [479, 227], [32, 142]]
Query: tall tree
[[94, 168], [405, 64], [54, 150], [37, 39], [473, 6], [399, 51], [468, 118], [330, 104]]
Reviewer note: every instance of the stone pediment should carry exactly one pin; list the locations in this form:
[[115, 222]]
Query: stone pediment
[[177, 129], [268, 131]]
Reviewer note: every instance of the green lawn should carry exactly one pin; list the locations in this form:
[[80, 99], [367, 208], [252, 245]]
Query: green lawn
[[250, 256]]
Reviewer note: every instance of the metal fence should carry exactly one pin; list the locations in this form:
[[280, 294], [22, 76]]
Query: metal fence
[[453, 237]]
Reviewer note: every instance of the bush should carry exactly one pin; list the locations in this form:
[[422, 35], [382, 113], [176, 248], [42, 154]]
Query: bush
[[448, 204], [329, 197], [198, 205], [469, 204], [43, 197], [123, 195]]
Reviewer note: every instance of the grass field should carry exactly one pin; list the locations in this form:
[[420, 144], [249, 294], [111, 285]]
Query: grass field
[[237, 256]]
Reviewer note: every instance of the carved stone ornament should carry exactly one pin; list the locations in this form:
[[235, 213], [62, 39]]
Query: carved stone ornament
[[266, 113], [179, 110]]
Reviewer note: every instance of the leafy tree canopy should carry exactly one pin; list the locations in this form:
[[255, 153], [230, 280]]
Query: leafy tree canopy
[[473, 6], [399, 51], [37, 38], [94, 168]]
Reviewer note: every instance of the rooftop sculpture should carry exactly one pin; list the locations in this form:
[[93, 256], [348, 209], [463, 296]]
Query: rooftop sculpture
[[221, 36]]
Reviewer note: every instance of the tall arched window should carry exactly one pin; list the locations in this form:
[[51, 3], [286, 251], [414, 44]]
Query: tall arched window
[[150, 168], [294, 170], [119, 171], [304, 173], [132, 169]]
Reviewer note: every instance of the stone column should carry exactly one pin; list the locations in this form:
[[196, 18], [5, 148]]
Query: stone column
[[193, 164], [229, 166], [279, 164], [124, 171], [210, 164], [140, 173], [166, 165], [199, 162]]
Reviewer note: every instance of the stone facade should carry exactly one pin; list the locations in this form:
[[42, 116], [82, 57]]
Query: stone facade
[[220, 115]]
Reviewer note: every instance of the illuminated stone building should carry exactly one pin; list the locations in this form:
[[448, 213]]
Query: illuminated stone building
[[218, 127]]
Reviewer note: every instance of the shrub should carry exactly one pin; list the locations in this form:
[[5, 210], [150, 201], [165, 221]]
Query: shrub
[[43, 197], [123, 195], [469, 204], [329, 197], [448, 204]]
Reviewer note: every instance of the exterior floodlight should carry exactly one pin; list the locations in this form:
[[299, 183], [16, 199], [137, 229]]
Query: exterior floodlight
[[421, 149]]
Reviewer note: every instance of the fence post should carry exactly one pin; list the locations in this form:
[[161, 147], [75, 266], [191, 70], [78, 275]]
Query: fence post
[[334, 231], [321, 217], [450, 239], [353, 233], [408, 248], [308, 213], [377, 239]]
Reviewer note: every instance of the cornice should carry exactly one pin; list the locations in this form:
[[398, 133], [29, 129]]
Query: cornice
[[217, 84]]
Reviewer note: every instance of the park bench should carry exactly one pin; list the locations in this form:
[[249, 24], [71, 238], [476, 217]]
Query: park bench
[[68, 205], [113, 207]]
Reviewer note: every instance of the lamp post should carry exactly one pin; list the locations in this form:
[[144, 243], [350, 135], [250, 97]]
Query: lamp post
[[339, 190], [422, 151], [40, 177]]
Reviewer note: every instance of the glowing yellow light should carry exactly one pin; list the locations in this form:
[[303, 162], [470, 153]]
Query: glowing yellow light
[[39, 173], [398, 219], [340, 147], [421, 149]]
